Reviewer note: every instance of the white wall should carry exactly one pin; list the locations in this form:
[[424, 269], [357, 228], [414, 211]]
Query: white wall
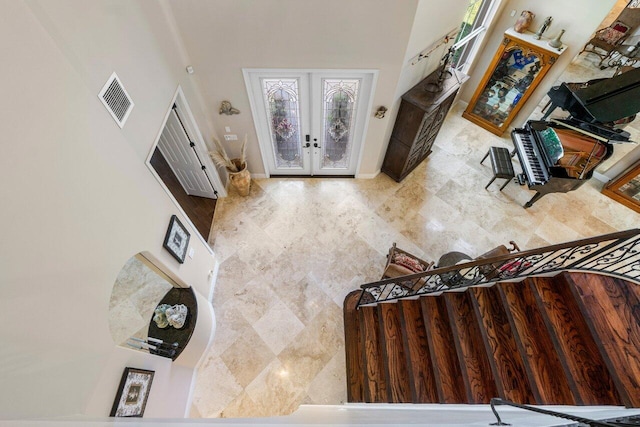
[[224, 36], [630, 159], [78, 200], [431, 23], [579, 23]]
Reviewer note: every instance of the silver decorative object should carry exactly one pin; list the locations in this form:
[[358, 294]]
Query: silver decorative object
[[543, 28], [160, 316], [443, 73], [177, 315]]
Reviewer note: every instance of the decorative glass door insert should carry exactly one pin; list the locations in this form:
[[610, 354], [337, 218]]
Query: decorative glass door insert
[[310, 123], [284, 119], [338, 118]]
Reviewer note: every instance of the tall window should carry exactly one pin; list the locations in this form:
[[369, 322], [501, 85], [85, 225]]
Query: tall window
[[475, 22]]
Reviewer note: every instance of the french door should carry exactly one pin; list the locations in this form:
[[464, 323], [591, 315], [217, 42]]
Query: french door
[[310, 123]]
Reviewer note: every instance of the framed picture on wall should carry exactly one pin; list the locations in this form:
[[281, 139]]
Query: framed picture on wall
[[626, 188], [132, 394], [176, 241]]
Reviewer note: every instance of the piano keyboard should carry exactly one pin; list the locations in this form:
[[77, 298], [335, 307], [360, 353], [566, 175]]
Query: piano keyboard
[[530, 158]]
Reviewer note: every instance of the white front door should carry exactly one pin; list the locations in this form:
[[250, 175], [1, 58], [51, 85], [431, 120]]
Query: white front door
[[178, 150], [310, 123]]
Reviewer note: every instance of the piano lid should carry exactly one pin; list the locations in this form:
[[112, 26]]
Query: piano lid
[[612, 99], [596, 131]]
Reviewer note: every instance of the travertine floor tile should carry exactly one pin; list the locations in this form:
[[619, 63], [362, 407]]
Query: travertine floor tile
[[247, 357], [278, 326], [273, 391], [215, 389], [293, 248], [329, 386]]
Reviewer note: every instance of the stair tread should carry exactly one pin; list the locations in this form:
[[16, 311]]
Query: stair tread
[[612, 308], [502, 347], [355, 373], [541, 361], [579, 351], [446, 368], [474, 363], [392, 344], [423, 386], [571, 339], [375, 384]]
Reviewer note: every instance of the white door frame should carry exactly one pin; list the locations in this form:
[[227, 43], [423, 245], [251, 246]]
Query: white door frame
[[175, 147], [192, 128], [363, 113]]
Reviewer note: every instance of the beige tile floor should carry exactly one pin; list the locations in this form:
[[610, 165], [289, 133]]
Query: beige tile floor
[[294, 248]]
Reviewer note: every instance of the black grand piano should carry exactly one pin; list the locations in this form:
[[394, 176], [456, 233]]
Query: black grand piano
[[559, 155]]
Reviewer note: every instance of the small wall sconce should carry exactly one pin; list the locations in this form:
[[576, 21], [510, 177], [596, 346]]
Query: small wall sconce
[[381, 112], [226, 108]]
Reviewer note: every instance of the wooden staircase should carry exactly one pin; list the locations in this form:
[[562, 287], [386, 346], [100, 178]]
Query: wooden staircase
[[571, 339]]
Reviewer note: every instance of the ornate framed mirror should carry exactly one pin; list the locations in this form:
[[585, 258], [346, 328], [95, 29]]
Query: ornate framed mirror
[[626, 188], [517, 68]]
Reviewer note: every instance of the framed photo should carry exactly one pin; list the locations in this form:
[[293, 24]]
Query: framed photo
[[133, 392], [177, 239]]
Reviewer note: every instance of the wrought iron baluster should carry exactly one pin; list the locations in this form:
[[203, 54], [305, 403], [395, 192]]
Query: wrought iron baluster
[[496, 401], [616, 254]]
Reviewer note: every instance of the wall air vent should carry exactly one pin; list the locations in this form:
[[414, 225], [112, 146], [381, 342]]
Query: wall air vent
[[116, 100]]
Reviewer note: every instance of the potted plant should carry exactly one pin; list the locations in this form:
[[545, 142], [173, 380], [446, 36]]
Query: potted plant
[[237, 168]]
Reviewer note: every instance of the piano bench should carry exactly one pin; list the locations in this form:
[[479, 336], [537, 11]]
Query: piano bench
[[501, 165]]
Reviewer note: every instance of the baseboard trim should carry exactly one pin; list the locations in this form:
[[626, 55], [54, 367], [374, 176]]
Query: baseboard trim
[[367, 175]]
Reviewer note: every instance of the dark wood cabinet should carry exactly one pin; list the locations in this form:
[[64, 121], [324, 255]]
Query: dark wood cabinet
[[419, 119]]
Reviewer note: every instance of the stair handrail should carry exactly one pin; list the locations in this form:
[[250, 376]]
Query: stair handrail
[[587, 421], [615, 254]]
